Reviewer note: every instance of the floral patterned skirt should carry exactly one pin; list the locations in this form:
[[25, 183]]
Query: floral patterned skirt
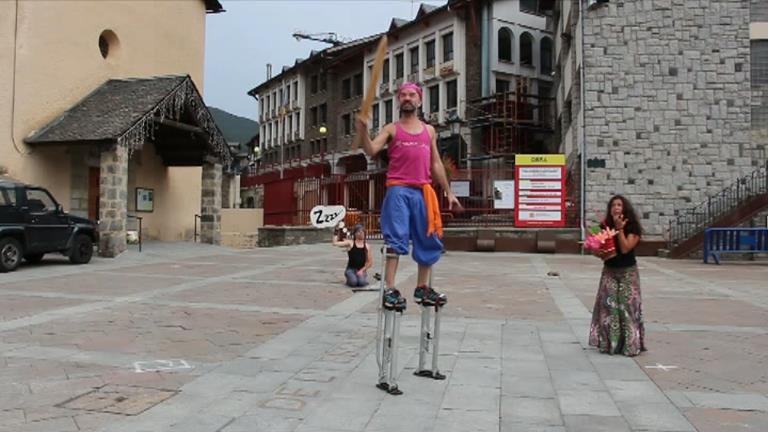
[[617, 318]]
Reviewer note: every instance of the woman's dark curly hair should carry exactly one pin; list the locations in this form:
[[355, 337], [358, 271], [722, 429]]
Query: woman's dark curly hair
[[633, 222]]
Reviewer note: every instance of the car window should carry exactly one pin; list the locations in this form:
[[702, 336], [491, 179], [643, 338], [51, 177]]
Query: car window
[[39, 201], [7, 196]]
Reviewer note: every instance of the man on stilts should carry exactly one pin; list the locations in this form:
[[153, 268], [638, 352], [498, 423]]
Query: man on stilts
[[410, 212]]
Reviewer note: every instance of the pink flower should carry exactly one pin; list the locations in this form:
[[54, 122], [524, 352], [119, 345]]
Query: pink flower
[[597, 241]]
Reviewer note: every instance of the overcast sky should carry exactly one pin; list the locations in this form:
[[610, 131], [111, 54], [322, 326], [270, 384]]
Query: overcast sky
[[251, 33]]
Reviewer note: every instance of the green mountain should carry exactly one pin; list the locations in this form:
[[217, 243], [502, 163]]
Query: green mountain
[[235, 128]]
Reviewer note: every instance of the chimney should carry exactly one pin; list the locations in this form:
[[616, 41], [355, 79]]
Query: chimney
[[269, 70]]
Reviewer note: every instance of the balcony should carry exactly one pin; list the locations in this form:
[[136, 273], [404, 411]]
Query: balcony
[[383, 88], [429, 73], [446, 69], [451, 114], [433, 118], [414, 77]]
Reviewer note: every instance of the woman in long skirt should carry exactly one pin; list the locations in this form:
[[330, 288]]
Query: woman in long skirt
[[617, 318]]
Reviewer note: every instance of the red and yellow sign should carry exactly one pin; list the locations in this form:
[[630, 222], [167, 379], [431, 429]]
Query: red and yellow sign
[[540, 191]]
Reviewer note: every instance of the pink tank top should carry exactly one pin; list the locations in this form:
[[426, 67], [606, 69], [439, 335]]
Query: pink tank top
[[410, 156]]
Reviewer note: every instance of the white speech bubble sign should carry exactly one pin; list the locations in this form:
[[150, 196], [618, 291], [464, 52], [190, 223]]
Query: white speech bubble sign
[[326, 216]]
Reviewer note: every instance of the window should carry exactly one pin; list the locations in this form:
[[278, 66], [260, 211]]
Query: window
[[759, 74], [526, 49], [591, 3], [375, 115], [39, 201], [452, 96], [358, 84], [296, 90], [434, 99], [530, 6], [430, 48], [323, 113], [758, 11], [282, 97], [346, 89], [313, 116], [323, 81], [502, 86], [345, 124], [385, 72], [108, 43], [388, 111], [399, 71], [447, 47], [7, 197], [505, 44], [313, 84], [546, 56], [414, 54], [298, 120]]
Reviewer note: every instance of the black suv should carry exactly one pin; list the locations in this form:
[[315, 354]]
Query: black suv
[[33, 224]]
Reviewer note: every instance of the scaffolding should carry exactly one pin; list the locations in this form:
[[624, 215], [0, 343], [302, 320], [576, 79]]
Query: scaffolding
[[514, 122]]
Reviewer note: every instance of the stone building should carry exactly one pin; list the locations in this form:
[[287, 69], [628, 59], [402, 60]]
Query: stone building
[[654, 100]]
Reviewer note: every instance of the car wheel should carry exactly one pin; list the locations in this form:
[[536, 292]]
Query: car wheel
[[82, 250], [10, 254]]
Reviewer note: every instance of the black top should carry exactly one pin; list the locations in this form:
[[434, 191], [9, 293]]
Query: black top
[[357, 256], [622, 260]]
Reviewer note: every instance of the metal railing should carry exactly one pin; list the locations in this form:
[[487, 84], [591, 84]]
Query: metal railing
[[363, 193], [196, 233], [693, 221]]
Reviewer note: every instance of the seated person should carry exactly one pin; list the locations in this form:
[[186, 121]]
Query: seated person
[[360, 257]]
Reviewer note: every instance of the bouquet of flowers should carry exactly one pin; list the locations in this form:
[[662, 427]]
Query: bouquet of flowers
[[601, 239]]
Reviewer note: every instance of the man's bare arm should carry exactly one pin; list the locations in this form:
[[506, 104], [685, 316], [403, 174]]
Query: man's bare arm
[[372, 147]]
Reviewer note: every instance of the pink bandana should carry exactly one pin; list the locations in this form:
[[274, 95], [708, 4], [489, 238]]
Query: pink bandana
[[411, 86]]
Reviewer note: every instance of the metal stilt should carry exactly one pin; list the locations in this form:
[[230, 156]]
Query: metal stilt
[[387, 332], [429, 340]]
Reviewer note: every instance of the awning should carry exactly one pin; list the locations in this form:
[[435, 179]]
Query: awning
[[167, 111]]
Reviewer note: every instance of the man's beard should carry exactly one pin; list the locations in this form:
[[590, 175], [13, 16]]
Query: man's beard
[[407, 108]]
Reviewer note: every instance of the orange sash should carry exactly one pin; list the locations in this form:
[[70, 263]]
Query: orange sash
[[434, 220]]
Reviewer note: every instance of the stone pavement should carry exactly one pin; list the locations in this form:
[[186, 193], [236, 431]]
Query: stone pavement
[[190, 337]]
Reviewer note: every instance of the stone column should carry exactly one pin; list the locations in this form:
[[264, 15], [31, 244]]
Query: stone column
[[226, 191], [210, 212], [113, 201]]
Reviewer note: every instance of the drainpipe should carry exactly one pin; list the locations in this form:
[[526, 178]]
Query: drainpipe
[[583, 149], [485, 63]]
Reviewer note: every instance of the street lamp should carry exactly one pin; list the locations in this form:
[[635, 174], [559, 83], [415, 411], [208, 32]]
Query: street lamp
[[454, 126]]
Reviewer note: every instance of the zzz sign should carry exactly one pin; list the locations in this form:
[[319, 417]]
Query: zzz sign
[[326, 216]]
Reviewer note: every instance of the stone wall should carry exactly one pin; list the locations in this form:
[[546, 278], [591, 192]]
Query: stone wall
[[270, 236], [667, 103]]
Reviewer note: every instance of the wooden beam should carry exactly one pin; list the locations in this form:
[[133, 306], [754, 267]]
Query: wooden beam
[[182, 126]]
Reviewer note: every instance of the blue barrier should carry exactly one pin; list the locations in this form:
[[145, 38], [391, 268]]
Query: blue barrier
[[734, 240]]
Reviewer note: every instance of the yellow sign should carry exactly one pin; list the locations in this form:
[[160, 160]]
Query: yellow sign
[[545, 159]]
